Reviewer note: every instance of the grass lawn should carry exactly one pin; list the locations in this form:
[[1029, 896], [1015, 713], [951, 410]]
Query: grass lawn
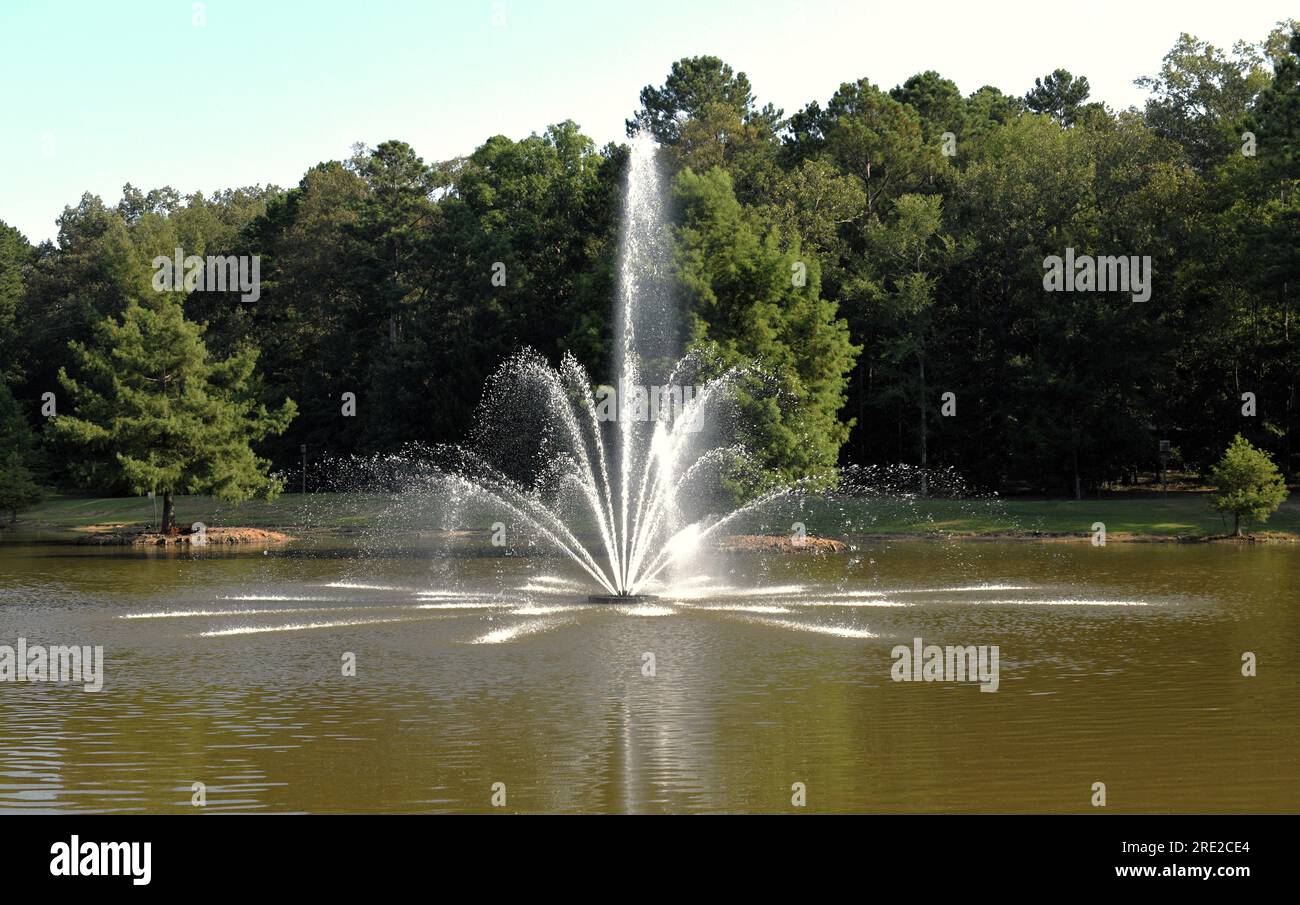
[[326, 510], [1180, 514]]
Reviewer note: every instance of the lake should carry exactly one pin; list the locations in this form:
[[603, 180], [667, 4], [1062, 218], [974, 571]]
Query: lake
[[1120, 665]]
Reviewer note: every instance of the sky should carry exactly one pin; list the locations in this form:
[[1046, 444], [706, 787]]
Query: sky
[[204, 96]]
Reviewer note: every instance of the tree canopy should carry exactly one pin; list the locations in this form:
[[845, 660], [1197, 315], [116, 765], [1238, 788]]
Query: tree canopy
[[918, 218]]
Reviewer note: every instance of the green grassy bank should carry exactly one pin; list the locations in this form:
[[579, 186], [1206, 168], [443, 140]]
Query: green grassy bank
[[1178, 515]]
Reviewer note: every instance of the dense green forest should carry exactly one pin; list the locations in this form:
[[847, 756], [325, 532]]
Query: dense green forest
[[915, 220]]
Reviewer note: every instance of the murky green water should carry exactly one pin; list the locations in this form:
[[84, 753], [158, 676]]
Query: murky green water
[[1119, 665]]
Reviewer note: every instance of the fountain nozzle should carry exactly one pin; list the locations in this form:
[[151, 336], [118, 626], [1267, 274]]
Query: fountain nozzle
[[621, 597]]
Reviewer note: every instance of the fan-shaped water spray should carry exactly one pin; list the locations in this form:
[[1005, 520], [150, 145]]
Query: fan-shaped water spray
[[627, 480]]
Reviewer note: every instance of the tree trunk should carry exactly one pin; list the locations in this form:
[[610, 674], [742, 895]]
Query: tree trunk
[[1078, 481], [865, 383], [925, 483], [1236, 524], [169, 513]]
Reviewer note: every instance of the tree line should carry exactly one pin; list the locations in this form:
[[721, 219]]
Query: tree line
[[879, 253]]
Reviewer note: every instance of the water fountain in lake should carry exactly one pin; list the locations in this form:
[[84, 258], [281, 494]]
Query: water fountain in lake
[[628, 481], [638, 488]]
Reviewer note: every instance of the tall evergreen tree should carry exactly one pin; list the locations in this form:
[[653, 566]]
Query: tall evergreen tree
[[153, 411], [1058, 94], [756, 302]]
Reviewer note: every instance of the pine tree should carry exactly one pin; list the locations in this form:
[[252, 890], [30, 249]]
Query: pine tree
[[154, 411], [753, 302], [1249, 485]]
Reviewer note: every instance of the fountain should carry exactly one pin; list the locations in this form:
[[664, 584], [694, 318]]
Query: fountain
[[625, 486]]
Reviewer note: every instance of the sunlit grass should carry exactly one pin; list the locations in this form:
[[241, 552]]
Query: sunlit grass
[[1179, 514]]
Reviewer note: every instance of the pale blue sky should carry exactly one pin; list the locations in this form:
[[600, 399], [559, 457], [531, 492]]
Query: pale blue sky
[[100, 93]]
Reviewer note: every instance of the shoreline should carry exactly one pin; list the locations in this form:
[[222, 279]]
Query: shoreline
[[1184, 518], [1263, 537], [812, 545]]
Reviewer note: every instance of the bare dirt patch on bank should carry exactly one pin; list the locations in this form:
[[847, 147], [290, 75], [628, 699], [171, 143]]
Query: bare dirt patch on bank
[[780, 543], [211, 537]]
